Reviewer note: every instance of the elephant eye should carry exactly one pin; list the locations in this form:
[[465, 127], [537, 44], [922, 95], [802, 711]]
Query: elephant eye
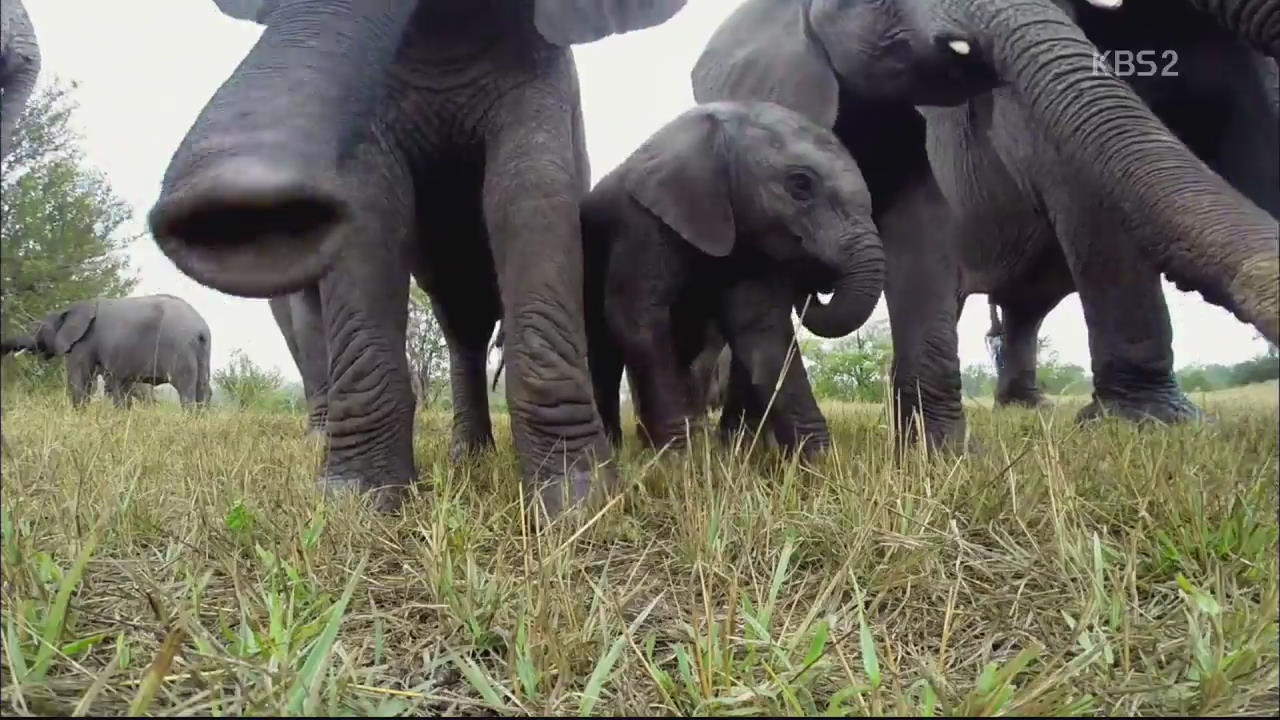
[[801, 185]]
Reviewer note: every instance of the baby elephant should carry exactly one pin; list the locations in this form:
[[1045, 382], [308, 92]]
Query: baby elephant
[[726, 218]]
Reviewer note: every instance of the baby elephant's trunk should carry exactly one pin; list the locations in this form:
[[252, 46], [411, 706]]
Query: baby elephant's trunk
[[856, 291]]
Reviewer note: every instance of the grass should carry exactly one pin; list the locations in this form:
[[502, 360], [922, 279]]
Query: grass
[[162, 563]]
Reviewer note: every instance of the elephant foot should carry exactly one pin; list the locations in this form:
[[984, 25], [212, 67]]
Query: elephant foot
[[814, 447], [384, 497], [468, 446], [583, 484], [1170, 407], [1030, 398]]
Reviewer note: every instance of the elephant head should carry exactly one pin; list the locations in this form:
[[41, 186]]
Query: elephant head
[[253, 202], [764, 176], [60, 330], [803, 54], [19, 67]]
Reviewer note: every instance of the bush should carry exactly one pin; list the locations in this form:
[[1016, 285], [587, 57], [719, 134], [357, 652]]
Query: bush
[[244, 384]]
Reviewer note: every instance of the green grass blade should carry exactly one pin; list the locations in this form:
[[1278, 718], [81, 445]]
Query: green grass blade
[[55, 622], [306, 690]]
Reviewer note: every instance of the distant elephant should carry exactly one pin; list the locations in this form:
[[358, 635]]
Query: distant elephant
[[863, 68], [360, 142], [1218, 96], [153, 339], [298, 317], [19, 67], [726, 218]]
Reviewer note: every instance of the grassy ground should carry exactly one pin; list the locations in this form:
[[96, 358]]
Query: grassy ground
[[168, 564]]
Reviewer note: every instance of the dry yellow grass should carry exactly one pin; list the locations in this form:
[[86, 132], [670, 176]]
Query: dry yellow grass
[[162, 563]]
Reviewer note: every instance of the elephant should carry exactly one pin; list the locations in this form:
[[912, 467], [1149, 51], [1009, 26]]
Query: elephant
[[1218, 96], [151, 339], [730, 214], [361, 142], [19, 67], [705, 236], [297, 314], [870, 71]]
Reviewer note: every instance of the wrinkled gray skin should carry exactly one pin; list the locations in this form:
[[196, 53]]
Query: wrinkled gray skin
[[299, 319], [151, 339], [1222, 104], [19, 67], [724, 219], [361, 142], [861, 68]]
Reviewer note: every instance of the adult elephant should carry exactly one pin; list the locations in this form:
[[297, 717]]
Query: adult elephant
[[19, 67], [1217, 95], [151, 339], [360, 141], [861, 68]]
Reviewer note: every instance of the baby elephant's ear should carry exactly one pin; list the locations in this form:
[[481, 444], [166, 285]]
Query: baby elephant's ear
[[682, 175], [574, 22]]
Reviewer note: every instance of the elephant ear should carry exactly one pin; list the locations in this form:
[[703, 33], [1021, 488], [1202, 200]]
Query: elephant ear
[[574, 22], [73, 324], [682, 175], [252, 10], [766, 51]]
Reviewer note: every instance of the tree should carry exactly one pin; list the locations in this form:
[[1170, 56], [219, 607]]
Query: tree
[[427, 352], [60, 238], [1056, 377], [851, 368]]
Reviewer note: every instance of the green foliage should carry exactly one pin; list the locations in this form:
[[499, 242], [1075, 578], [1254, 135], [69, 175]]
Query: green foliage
[[977, 381], [60, 219], [243, 384], [851, 368], [428, 355], [60, 238], [1208, 377]]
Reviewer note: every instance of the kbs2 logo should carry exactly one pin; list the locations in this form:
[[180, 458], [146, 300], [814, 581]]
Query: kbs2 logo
[[1127, 63]]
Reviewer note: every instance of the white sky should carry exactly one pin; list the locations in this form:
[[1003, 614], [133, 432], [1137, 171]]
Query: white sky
[[146, 68]]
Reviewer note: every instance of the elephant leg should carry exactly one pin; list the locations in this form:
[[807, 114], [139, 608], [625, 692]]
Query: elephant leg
[[659, 385], [532, 191], [756, 317], [924, 297], [606, 365], [82, 376], [742, 409], [301, 322], [121, 392], [466, 317], [364, 306], [1130, 336], [1016, 375]]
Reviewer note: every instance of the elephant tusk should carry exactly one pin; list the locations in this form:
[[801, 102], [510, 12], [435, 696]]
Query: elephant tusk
[[21, 351], [1106, 4], [960, 47]]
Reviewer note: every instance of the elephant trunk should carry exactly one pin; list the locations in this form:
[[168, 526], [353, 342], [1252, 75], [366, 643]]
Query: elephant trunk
[[252, 202], [1257, 22], [19, 68], [855, 293], [24, 343], [1203, 233]]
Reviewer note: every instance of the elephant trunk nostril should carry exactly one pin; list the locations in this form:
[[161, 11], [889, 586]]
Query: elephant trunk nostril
[[250, 228]]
